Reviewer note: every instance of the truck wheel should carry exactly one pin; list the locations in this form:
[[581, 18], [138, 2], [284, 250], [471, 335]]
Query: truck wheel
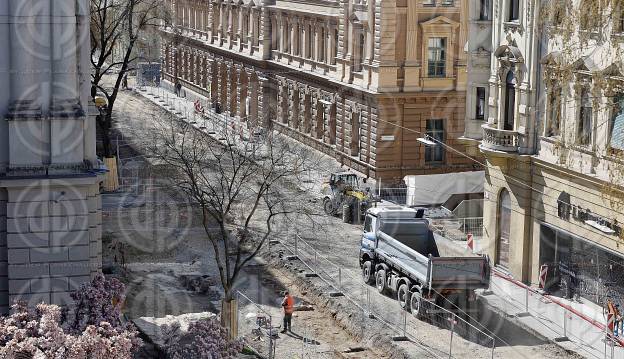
[[380, 281], [328, 207], [403, 296], [416, 305], [347, 216], [367, 272]]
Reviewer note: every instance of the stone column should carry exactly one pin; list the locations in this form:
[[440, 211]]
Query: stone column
[[252, 94], [230, 87], [251, 30], [264, 101], [212, 80], [239, 30], [238, 70], [212, 11], [221, 84], [293, 35], [230, 25]]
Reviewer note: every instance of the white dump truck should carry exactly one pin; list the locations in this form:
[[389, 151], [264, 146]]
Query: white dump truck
[[399, 255]]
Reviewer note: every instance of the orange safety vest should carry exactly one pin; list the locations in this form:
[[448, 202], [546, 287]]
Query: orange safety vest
[[289, 304]]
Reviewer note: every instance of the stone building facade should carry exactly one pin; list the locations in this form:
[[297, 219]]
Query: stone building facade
[[50, 220], [360, 80], [553, 144]]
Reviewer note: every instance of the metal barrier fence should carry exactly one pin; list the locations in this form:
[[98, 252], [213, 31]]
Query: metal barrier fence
[[569, 326], [457, 229], [256, 325], [397, 195], [344, 282]]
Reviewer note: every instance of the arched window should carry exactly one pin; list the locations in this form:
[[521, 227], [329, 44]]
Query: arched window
[[510, 100], [584, 133], [504, 229]]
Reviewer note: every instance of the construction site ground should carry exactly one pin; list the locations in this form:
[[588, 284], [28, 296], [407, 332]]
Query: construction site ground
[[160, 262]]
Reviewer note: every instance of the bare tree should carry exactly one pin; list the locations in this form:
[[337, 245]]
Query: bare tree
[[116, 25], [243, 189]]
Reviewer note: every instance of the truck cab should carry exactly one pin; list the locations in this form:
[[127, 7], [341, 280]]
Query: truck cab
[[374, 220]]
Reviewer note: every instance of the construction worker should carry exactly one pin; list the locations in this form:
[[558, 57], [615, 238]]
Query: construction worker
[[288, 303]]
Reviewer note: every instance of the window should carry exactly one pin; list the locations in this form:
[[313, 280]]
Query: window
[[355, 134], [480, 104], [286, 38], [429, 2], [554, 113], [504, 229], [335, 54], [322, 46], [514, 10], [616, 140], [484, 9], [310, 43], [359, 57], [435, 131], [437, 57], [448, 2], [585, 118], [510, 101]]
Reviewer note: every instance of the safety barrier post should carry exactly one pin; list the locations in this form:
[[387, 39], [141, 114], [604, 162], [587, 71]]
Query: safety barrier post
[[526, 300], [452, 332], [340, 278]]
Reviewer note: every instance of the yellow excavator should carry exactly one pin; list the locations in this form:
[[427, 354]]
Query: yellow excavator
[[342, 196]]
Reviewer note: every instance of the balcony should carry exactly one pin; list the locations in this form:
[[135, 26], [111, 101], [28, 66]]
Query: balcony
[[495, 139]]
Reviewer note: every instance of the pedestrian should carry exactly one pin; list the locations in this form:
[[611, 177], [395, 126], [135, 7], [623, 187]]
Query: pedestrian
[[178, 88], [125, 82], [617, 321], [288, 303]]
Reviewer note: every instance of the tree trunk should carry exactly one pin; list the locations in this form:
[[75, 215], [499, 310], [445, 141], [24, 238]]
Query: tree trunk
[[229, 316], [104, 123]]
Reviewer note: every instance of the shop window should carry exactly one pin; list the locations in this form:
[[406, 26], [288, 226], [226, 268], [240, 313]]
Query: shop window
[[514, 10], [480, 104], [437, 57], [435, 131], [584, 130], [616, 135], [510, 101], [554, 113]]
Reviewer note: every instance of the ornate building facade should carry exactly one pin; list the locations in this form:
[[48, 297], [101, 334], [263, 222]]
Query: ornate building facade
[[553, 144], [50, 217], [360, 80]]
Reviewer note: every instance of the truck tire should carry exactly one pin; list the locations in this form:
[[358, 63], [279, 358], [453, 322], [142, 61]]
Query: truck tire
[[403, 296], [328, 207], [367, 273], [380, 281], [347, 215], [416, 305]]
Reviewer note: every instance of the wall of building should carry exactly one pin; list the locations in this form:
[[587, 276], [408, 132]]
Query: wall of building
[[344, 75], [49, 193]]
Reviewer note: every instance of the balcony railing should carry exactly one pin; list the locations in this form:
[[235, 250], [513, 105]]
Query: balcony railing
[[499, 140]]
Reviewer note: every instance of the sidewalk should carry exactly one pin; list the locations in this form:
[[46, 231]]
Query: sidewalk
[[573, 326], [217, 125]]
